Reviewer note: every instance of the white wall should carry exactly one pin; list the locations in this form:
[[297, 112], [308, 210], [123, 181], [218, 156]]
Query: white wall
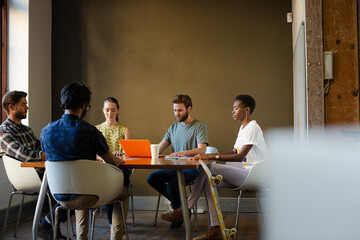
[[29, 68], [299, 72], [298, 10]]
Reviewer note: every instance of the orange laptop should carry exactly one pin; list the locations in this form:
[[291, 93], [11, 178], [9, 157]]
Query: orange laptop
[[136, 148]]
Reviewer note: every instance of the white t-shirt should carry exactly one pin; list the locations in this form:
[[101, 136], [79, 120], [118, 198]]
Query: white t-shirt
[[250, 135]]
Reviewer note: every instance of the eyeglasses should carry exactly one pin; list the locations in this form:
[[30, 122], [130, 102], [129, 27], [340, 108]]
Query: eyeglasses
[[88, 107]]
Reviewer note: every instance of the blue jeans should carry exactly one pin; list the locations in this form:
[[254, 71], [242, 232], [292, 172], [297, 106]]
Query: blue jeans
[[165, 182]]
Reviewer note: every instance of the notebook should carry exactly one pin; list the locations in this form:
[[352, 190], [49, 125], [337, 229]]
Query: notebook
[[136, 148]]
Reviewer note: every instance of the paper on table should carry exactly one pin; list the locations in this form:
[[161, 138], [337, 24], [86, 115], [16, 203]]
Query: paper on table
[[176, 158]]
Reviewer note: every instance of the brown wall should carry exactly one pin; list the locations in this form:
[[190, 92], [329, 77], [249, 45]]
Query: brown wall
[[145, 52]]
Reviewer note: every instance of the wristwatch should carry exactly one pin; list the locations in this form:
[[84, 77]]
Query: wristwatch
[[217, 157]]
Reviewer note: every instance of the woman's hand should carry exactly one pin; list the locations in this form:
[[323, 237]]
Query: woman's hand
[[118, 154], [99, 159], [203, 157]]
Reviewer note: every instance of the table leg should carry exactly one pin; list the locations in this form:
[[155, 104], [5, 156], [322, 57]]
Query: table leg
[[39, 205], [184, 205]]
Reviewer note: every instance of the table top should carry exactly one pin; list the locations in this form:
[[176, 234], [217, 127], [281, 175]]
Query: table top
[[139, 163]]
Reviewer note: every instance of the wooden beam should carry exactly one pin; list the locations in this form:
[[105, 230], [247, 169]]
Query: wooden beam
[[314, 56]]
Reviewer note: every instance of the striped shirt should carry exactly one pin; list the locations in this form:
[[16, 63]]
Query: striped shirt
[[19, 141]]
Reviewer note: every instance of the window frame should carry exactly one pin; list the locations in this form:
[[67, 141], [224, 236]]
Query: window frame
[[3, 55]]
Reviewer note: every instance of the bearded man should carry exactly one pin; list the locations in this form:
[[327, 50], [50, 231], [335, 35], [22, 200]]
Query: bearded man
[[187, 137]]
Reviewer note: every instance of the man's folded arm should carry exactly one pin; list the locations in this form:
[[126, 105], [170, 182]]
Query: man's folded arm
[[17, 150]]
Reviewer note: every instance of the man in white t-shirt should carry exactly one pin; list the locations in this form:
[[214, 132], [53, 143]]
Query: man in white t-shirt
[[249, 146]]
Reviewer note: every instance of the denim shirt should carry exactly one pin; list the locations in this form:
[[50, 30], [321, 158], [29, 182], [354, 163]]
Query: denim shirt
[[70, 138]]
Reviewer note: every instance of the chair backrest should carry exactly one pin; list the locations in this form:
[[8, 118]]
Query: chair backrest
[[210, 150], [258, 177], [22, 178], [85, 177]]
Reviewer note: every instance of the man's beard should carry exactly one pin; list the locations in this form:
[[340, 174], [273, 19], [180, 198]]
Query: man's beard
[[20, 115], [183, 118]]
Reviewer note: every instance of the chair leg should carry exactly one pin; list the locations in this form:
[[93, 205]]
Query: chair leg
[[56, 221], [90, 220], [68, 224], [93, 224], [124, 220], [132, 203], [209, 221], [72, 228], [260, 209], [19, 215], [7, 214], [195, 217], [51, 213], [157, 209], [195, 212], [237, 212]]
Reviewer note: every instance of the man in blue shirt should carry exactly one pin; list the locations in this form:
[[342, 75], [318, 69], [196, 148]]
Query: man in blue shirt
[[70, 138]]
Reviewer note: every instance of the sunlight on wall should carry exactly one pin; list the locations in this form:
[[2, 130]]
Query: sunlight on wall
[[18, 46]]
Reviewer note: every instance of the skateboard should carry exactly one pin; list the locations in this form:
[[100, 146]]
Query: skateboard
[[213, 181]]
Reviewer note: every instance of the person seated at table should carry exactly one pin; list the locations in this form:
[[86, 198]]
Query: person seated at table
[[112, 130], [187, 137], [71, 138], [249, 145], [19, 141]]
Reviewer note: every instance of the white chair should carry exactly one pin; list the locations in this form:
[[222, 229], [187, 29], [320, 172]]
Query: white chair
[[131, 199], [93, 183], [25, 181], [257, 180], [210, 150]]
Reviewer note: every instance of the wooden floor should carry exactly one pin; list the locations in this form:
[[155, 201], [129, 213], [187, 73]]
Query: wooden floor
[[249, 227]]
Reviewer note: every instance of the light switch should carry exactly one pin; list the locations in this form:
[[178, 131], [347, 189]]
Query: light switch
[[328, 65]]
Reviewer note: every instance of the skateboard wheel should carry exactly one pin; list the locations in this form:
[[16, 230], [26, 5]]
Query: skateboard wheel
[[218, 179], [232, 235]]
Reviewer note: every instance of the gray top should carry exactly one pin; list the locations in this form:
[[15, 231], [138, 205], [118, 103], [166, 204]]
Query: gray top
[[186, 137]]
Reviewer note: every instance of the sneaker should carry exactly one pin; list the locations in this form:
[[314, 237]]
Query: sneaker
[[175, 216], [176, 224], [213, 234], [44, 232]]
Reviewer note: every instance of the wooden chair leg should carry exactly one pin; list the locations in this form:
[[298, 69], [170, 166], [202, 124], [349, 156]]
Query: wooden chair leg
[[157, 209]]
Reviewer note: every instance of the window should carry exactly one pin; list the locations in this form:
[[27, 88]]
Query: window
[[3, 54]]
